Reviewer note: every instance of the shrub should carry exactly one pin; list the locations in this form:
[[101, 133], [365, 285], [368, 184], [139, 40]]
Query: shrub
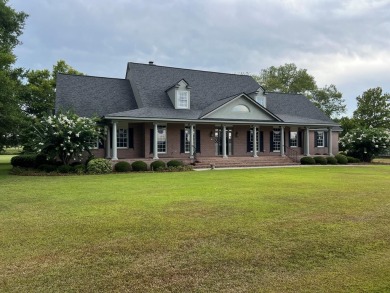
[[48, 168], [65, 169], [179, 169], [352, 160], [320, 160], [79, 169], [41, 159], [175, 163], [77, 163], [341, 159], [157, 165], [99, 166], [331, 160], [122, 167], [139, 166], [307, 161], [25, 161]]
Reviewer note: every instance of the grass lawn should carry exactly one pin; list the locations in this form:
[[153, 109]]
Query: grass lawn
[[311, 229]]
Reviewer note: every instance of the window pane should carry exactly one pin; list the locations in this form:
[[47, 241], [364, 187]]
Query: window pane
[[161, 139], [183, 99], [121, 137], [320, 138], [276, 139], [293, 139]]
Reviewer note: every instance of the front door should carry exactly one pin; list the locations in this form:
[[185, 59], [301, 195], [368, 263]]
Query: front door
[[218, 141]]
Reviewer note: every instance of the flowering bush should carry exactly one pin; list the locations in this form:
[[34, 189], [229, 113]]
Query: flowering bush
[[366, 143], [64, 136]]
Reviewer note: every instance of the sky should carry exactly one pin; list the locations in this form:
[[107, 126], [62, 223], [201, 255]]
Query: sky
[[340, 42]]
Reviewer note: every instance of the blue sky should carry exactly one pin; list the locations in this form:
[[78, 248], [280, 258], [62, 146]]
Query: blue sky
[[341, 42]]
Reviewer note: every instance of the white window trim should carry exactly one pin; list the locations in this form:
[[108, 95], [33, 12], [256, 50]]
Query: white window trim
[[296, 139], [96, 146], [280, 139], [127, 140], [166, 139], [178, 106], [323, 139]]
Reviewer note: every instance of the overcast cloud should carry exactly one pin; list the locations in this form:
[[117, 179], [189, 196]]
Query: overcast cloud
[[341, 42]]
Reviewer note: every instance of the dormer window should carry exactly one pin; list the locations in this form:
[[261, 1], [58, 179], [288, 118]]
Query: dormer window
[[183, 100], [261, 100]]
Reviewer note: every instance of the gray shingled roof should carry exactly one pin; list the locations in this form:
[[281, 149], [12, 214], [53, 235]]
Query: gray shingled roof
[[89, 95], [296, 108], [206, 87]]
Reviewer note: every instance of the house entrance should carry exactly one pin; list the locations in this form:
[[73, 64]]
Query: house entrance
[[218, 141]]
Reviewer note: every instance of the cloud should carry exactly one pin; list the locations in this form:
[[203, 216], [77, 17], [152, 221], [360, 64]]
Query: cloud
[[341, 42]]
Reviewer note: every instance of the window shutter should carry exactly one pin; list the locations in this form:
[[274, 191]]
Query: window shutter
[[261, 142], [248, 141], [300, 138], [289, 138], [271, 141], [101, 144], [197, 140], [131, 138], [151, 140], [325, 139], [182, 138], [315, 139]]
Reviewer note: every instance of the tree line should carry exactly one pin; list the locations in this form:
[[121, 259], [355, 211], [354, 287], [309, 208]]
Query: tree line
[[27, 95]]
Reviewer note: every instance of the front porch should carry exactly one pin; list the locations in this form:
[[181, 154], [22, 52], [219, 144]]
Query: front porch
[[230, 162]]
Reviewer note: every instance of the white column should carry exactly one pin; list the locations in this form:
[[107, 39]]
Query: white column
[[108, 143], [254, 141], [330, 142], [155, 132], [191, 141], [114, 142], [307, 142], [224, 141], [282, 141]]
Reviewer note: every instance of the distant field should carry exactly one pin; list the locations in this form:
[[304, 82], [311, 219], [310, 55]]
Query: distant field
[[312, 229]]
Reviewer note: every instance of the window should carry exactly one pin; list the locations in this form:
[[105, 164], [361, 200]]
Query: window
[[251, 140], [276, 140], [187, 139], [122, 137], [320, 139], [293, 139], [183, 100], [93, 144], [161, 139], [241, 109], [261, 100]]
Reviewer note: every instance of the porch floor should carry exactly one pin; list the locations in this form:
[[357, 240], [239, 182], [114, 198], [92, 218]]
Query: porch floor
[[219, 162]]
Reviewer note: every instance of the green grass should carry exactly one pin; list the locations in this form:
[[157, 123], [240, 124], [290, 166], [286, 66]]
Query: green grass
[[314, 229]]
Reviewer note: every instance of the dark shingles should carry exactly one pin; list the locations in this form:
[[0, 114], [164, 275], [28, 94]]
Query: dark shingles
[[295, 108], [90, 95], [206, 87]]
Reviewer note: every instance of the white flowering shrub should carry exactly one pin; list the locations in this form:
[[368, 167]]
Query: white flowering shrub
[[65, 136], [366, 143]]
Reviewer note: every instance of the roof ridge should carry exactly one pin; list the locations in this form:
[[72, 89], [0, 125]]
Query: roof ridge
[[208, 71], [297, 94], [94, 76]]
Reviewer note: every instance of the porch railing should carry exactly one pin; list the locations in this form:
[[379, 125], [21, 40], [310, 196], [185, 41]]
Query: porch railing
[[292, 154]]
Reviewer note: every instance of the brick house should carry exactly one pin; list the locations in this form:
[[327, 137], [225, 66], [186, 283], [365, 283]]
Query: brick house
[[164, 112]]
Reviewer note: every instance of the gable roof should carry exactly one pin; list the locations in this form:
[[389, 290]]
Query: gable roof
[[219, 104], [143, 94]]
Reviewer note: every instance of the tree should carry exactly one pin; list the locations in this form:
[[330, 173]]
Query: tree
[[329, 100], [347, 124], [287, 79], [64, 136], [373, 109], [11, 26], [38, 96], [366, 143]]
